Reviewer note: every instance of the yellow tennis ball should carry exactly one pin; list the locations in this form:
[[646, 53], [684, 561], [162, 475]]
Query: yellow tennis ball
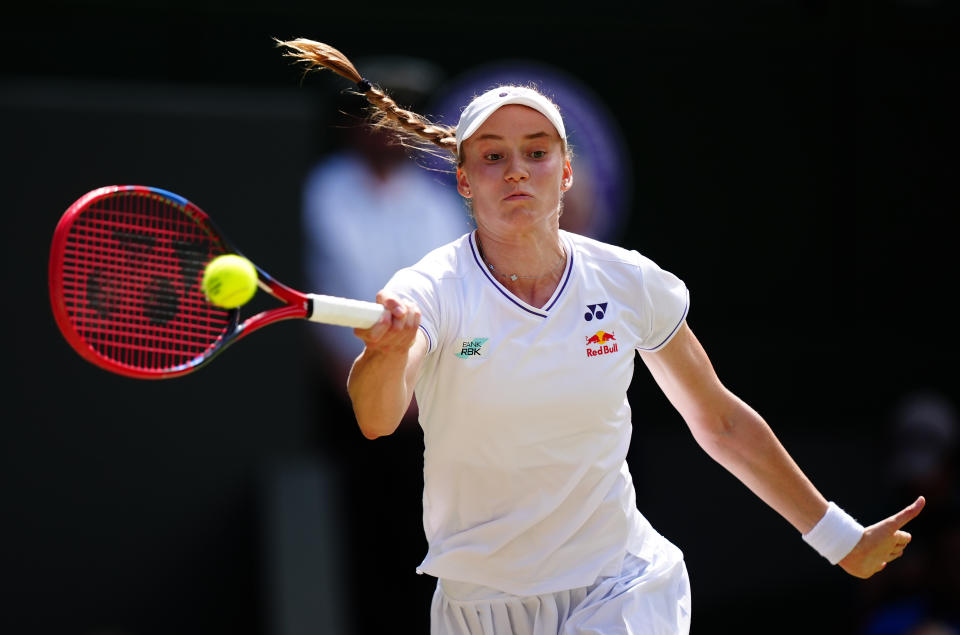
[[229, 281]]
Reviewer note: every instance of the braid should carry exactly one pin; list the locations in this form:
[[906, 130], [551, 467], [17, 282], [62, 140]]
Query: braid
[[412, 129], [392, 116]]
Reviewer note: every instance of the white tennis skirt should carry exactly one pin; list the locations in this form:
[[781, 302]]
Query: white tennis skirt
[[648, 598]]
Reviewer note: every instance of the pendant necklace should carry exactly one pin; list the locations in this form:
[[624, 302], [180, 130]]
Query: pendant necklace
[[514, 276]]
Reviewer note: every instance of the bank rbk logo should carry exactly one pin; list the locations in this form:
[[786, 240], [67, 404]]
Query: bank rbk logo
[[472, 347]]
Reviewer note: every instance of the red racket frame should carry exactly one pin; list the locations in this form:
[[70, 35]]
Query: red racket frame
[[66, 305]]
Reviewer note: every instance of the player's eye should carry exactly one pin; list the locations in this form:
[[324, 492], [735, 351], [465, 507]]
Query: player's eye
[[492, 156], [538, 154]]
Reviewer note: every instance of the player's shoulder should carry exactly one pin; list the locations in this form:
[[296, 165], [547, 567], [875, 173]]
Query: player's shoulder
[[425, 278], [445, 261], [596, 251]]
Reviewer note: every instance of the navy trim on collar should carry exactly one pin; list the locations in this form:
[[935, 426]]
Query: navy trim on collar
[[509, 296]]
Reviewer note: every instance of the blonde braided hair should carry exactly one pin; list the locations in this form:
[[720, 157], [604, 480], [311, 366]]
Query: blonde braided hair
[[412, 129]]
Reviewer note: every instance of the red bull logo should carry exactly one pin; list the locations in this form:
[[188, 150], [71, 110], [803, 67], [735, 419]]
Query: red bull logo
[[597, 344]]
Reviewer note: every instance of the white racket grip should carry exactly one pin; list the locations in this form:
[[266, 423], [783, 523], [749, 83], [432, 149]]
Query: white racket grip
[[344, 312]]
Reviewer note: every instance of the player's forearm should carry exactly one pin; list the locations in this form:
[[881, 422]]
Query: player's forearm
[[742, 442], [378, 390]]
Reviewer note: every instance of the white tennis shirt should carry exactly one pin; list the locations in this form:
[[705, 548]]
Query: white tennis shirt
[[525, 416]]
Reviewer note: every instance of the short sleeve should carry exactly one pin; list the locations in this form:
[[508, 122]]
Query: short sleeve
[[414, 286], [663, 304]]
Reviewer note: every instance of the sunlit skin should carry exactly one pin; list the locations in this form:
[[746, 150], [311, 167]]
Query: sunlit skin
[[515, 170]]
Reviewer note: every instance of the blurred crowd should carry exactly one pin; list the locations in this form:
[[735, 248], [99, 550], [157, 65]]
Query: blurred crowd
[[920, 594]]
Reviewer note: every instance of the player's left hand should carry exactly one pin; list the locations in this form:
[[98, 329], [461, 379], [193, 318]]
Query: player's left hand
[[881, 543]]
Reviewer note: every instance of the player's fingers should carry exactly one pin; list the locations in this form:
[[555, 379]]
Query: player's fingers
[[395, 308], [388, 300], [899, 542], [408, 321], [379, 328], [394, 328], [400, 313], [375, 332], [902, 538], [910, 512], [412, 318]]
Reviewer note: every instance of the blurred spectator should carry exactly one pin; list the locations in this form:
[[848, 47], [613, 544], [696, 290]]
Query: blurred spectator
[[925, 435], [920, 595], [368, 210]]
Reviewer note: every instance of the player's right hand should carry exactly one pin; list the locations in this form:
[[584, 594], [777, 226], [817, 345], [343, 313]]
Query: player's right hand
[[396, 329]]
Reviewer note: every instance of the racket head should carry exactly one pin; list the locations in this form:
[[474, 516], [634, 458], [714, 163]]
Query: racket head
[[126, 266]]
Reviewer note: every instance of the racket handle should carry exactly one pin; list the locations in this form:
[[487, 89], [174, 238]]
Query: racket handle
[[343, 312]]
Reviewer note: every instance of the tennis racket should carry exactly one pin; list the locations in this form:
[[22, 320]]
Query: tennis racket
[[126, 266]]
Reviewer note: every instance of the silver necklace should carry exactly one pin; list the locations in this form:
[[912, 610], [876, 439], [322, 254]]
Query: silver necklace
[[515, 276]]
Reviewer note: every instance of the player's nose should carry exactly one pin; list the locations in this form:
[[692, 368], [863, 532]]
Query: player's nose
[[516, 171]]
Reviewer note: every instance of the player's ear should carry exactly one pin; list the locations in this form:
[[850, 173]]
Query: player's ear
[[566, 181], [463, 184]]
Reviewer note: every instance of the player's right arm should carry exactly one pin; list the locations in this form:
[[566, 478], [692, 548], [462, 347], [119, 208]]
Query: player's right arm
[[382, 379]]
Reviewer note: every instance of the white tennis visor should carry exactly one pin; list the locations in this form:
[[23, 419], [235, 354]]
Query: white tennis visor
[[478, 110]]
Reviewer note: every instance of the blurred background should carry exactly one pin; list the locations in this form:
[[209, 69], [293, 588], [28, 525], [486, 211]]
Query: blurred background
[[794, 162]]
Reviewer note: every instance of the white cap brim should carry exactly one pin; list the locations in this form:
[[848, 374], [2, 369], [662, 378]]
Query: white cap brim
[[480, 109]]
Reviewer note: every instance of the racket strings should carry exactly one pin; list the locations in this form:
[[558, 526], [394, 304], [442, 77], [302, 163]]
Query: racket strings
[[132, 266]]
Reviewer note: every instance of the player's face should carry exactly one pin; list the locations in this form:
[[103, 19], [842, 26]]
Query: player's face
[[515, 170]]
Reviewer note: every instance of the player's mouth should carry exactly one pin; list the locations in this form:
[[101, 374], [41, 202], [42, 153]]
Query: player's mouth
[[518, 196]]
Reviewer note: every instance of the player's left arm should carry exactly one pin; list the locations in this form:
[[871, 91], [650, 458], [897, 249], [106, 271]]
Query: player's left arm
[[738, 438]]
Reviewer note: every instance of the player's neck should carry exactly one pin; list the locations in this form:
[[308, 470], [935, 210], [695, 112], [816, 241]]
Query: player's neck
[[529, 266], [530, 255]]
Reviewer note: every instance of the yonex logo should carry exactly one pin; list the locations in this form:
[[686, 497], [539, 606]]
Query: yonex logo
[[472, 347], [595, 311]]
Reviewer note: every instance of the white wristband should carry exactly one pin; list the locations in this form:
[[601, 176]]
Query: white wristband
[[835, 535]]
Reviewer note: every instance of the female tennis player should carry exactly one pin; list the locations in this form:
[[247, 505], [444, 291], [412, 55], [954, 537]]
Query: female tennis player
[[518, 340]]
